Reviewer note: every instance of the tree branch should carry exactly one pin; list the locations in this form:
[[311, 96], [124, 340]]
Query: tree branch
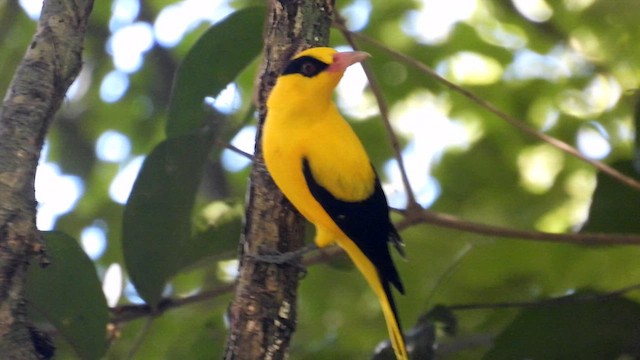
[[263, 312], [566, 299], [452, 222], [48, 68]]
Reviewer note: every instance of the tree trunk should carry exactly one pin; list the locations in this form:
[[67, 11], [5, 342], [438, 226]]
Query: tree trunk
[[48, 68], [263, 313]]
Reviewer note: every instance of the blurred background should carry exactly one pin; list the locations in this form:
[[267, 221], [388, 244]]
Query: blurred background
[[569, 68]]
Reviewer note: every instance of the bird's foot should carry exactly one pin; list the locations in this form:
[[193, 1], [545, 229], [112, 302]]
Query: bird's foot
[[291, 257]]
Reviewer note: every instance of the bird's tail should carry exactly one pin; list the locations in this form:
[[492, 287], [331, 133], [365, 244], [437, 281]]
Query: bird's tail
[[383, 293]]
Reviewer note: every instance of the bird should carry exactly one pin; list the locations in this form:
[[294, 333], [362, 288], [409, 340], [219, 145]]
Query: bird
[[320, 165]]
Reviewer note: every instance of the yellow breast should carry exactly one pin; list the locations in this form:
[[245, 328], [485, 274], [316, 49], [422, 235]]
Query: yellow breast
[[338, 160]]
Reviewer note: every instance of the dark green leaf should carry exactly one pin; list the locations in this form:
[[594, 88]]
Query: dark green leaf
[[579, 329], [68, 293], [213, 62], [157, 217], [615, 207]]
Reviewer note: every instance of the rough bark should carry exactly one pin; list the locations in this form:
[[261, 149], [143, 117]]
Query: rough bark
[[48, 68], [263, 313]]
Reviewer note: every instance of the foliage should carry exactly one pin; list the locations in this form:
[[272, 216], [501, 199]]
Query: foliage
[[567, 70], [54, 291]]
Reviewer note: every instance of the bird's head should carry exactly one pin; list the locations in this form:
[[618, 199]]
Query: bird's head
[[315, 72]]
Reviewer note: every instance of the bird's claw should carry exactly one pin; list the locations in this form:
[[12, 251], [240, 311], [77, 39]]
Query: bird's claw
[[273, 257]]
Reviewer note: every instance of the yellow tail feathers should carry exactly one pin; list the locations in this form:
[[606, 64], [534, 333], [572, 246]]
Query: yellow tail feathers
[[371, 274]]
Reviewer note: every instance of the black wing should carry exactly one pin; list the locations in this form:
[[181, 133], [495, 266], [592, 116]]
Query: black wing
[[365, 222]]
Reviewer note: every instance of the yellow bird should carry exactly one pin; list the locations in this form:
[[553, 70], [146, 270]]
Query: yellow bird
[[320, 165]]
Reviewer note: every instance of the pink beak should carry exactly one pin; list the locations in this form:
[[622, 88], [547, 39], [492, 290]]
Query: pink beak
[[342, 60]]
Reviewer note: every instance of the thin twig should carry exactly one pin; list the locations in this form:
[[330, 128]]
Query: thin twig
[[453, 265], [519, 124], [567, 299], [384, 113], [235, 129], [455, 223], [126, 313], [235, 149]]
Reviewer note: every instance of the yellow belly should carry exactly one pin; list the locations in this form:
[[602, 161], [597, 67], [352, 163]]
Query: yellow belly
[[338, 160], [284, 162]]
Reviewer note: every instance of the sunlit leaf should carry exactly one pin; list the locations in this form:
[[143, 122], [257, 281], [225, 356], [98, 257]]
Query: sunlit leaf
[[68, 293], [221, 233], [214, 61], [157, 217]]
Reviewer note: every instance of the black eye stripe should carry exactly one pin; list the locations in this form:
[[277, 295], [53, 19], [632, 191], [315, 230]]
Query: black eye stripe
[[297, 66]]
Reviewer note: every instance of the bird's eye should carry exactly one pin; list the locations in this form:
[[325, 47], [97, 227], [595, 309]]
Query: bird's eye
[[308, 69], [305, 65]]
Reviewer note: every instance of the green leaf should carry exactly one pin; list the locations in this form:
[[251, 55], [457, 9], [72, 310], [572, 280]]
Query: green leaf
[[214, 61], [157, 217], [614, 207], [68, 293], [576, 329], [220, 233]]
